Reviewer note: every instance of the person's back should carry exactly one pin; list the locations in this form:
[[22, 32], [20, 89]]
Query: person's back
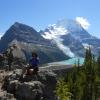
[[9, 54]]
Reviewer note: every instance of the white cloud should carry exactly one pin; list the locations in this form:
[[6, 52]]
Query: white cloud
[[83, 21]]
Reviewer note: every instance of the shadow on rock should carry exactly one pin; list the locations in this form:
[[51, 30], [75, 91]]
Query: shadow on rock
[[34, 87]]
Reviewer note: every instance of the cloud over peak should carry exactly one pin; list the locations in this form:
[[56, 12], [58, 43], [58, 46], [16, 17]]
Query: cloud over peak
[[83, 22]]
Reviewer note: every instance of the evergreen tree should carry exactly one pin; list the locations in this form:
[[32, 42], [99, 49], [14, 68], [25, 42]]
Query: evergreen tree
[[97, 90], [82, 83], [62, 90], [98, 64], [89, 75]]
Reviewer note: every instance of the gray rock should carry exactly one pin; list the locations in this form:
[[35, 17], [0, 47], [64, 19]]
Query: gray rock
[[6, 96], [30, 91], [34, 87]]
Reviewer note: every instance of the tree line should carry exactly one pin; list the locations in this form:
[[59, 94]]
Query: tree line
[[81, 83]]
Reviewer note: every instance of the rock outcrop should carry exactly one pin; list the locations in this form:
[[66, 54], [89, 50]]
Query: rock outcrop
[[34, 87]]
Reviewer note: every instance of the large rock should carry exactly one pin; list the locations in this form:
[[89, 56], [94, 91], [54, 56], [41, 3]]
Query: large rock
[[34, 87], [30, 91], [6, 96]]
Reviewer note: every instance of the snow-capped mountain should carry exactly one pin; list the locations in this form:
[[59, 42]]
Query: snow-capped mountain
[[70, 37], [60, 41]]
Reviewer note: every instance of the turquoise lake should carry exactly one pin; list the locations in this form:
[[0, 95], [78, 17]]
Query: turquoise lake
[[71, 61]]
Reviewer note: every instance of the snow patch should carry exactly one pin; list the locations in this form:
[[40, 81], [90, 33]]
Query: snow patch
[[86, 46], [0, 36], [98, 47], [55, 34]]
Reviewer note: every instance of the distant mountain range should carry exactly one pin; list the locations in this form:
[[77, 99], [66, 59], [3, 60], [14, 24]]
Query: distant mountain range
[[72, 36], [60, 41]]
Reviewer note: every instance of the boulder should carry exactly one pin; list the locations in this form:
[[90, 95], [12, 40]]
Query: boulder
[[34, 87], [29, 91], [6, 96]]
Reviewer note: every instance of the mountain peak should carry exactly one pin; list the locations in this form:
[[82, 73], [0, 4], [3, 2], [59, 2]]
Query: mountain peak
[[16, 24], [21, 32], [70, 24], [21, 26]]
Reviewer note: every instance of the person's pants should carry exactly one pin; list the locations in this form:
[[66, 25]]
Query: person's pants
[[32, 70]]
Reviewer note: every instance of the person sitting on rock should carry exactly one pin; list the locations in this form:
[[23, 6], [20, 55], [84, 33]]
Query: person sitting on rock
[[32, 67], [33, 63]]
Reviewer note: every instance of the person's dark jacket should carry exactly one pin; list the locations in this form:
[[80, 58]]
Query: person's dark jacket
[[33, 62]]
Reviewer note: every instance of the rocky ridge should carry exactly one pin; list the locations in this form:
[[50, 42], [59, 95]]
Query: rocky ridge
[[34, 87]]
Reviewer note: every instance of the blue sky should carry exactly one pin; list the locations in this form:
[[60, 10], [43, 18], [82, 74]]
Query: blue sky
[[40, 13]]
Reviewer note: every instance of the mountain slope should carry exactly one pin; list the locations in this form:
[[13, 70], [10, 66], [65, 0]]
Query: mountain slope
[[71, 35], [60, 41], [20, 32], [28, 40]]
